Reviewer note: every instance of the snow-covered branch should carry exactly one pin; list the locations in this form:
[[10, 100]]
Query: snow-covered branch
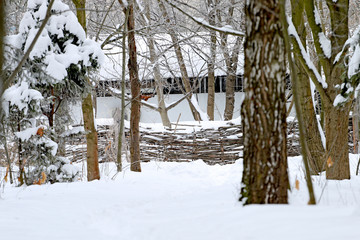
[[206, 24]]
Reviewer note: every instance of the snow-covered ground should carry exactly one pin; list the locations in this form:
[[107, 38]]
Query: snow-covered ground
[[178, 201]]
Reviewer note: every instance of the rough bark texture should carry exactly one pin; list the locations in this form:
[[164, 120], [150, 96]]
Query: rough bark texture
[[181, 62], [336, 117], [135, 92], [297, 100], [337, 151], [316, 154], [265, 178], [88, 113]]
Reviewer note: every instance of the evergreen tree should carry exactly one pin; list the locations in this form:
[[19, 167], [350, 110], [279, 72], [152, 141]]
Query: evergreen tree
[[55, 72]]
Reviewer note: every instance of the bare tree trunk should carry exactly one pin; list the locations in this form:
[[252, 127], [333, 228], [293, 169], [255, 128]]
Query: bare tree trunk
[[265, 178], [91, 139], [135, 89], [156, 71], [231, 61], [2, 36], [180, 59], [122, 118], [336, 127], [297, 100], [231, 66], [211, 61], [312, 136], [336, 117], [355, 123], [88, 113], [2, 82]]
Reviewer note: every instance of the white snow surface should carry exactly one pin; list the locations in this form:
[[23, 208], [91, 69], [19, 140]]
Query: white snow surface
[[203, 114], [178, 201], [21, 96], [325, 44]]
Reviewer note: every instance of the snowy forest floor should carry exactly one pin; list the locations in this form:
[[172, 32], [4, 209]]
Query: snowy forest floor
[[171, 200]]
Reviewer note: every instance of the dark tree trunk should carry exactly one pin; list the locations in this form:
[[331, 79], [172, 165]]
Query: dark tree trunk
[[265, 178], [336, 127], [135, 90], [336, 117], [316, 154]]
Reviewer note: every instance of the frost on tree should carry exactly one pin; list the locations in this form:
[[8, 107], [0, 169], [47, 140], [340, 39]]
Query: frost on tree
[[54, 74], [338, 80], [263, 111]]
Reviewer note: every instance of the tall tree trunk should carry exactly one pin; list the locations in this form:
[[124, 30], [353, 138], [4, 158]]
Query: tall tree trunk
[[181, 62], [296, 99], [231, 62], [123, 86], [2, 36], [336, 128], [88, 113], [156, 71], [135, 89], [337, 118], [337, 165], [211, 61], [91, 139], [265, 178], [316, 154], [231, 68]]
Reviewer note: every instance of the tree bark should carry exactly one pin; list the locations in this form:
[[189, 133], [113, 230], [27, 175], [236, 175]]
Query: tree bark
[[2, 36], [123, 86], [297, 100], [88, 113], [316, 154], [231, 68], [337, 151], [91, 139], [135, 89], [336, 126], [265, 178], [211, 61]]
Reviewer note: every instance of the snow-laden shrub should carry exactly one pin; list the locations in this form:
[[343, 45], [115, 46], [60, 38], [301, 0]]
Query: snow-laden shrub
[[55, 74]]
